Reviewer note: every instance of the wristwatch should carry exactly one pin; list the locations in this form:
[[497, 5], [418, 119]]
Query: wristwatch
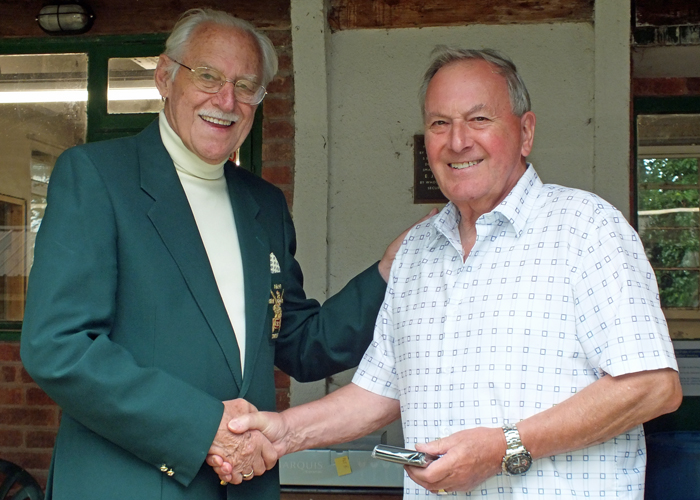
[[517, 459]]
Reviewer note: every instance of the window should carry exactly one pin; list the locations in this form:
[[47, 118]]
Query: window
[[668, 203]]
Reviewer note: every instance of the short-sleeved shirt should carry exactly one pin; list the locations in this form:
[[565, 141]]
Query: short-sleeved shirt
[[556, 293]]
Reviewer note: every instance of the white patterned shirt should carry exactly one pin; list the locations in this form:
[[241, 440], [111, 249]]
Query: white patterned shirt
[[555, 293]]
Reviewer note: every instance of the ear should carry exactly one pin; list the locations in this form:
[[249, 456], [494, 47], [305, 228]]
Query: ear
[[163, 75], [527, 132]]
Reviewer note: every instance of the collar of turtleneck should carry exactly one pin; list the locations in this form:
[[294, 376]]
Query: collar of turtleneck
[[185, 160]]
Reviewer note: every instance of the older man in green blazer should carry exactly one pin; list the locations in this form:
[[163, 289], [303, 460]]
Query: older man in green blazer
[[164, 286]]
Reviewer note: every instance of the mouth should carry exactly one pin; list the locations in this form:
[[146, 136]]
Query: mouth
[[217, 121], [466, 164]]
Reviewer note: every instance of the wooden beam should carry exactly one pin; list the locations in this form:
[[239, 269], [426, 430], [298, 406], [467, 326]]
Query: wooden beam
[[667, 12], [356, 14], [129, 17]]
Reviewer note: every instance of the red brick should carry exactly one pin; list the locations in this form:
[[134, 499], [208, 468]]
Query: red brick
[[278, 175], [659, 86], [275, 107], [278, 129], [28, 416], [282, 400], [285, 63], [41, 439], [281, 151], [280, 38], [37, 397], [9, 351], [11, 438], [282, 380], [10, 396], [25, 377], [7, 374], [281, 84], [693, 85]]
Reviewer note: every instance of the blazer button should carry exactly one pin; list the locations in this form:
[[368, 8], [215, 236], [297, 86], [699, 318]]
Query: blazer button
[[171, 473], [164, 468]]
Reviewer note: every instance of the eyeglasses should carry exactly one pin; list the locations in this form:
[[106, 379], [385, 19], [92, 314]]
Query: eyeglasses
[[212, 81]]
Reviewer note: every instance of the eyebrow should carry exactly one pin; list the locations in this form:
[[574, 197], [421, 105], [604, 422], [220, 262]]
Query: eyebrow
[[251, 77], [474, 109]]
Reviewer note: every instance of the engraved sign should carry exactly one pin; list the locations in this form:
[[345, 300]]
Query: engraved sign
[[425, 188]]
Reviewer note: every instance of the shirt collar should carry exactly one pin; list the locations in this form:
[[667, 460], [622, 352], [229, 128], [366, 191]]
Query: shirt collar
[[518, 204], [515, 208]]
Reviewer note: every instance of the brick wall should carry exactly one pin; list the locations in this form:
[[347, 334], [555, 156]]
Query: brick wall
[[28, 418], [665, 87]]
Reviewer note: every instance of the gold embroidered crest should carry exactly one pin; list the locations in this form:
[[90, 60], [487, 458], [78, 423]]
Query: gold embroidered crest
[[276, 299]]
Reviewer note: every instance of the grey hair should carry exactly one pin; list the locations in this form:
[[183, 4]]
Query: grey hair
[[443, 55], [177, 43]]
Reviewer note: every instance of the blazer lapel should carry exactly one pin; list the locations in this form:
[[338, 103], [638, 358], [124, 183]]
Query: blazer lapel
[[255, 254], [173, 220]]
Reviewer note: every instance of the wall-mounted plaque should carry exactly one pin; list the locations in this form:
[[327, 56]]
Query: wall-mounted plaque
[[425, 188]]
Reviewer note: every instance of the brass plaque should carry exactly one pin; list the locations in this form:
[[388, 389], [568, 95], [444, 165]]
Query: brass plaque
[[425, 187]]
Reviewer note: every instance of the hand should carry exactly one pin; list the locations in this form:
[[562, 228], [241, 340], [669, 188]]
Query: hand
[[272, 425], [390, 252], [467, 459], [236, 455]]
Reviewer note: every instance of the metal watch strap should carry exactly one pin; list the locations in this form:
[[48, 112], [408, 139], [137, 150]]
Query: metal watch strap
[[513, 442], [514, 447]]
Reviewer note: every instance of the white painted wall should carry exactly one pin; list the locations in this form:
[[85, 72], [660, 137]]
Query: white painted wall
[[370, 97], [374, 77]]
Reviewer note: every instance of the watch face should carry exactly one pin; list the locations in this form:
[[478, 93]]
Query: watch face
[[518, 464]]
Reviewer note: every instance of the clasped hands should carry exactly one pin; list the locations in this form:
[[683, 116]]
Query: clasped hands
[[240, 452], [468, 457]]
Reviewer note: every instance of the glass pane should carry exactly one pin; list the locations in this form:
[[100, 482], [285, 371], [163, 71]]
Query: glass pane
[[661, 171], [42, 113], [678, 288], [131, 88], [671, 248], [667, 208]]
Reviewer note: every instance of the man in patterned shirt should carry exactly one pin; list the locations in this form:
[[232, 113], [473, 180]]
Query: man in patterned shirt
[[519, 303]]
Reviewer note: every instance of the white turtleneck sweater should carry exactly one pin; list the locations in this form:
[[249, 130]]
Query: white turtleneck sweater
[[207, 193]]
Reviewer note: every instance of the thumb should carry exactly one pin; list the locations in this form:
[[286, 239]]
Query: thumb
[[438, 447], [242, 423], [249, 422]]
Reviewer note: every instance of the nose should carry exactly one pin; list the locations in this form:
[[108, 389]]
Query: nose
[[460, 136], [226, 97]]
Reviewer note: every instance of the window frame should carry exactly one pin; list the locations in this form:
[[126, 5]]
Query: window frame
[[102, 125], [653, 105]]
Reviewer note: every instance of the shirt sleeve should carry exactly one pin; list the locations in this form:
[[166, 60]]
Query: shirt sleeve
[[620, 324], [377, 370]]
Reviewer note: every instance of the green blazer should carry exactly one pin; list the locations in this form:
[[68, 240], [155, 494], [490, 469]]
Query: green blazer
[[125, 328]]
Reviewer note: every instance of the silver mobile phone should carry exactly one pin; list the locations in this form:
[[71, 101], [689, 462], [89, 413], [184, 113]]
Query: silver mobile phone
[[402, 455]]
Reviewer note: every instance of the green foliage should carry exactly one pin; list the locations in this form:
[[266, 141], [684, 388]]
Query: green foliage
[[668, 188]]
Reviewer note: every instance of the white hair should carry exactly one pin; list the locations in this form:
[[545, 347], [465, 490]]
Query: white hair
[[177, 43]]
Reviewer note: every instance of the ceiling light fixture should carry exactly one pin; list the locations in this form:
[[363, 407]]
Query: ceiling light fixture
[[65, 18]]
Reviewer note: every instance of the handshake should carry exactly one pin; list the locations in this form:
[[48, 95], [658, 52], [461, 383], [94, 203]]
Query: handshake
[[247, 443]]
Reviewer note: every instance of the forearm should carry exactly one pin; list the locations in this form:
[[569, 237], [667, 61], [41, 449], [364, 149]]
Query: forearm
[[605, 409], [346, 414]]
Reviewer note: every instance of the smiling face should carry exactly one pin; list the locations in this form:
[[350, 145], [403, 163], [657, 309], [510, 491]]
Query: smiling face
[[212, 126], [476, 146]]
